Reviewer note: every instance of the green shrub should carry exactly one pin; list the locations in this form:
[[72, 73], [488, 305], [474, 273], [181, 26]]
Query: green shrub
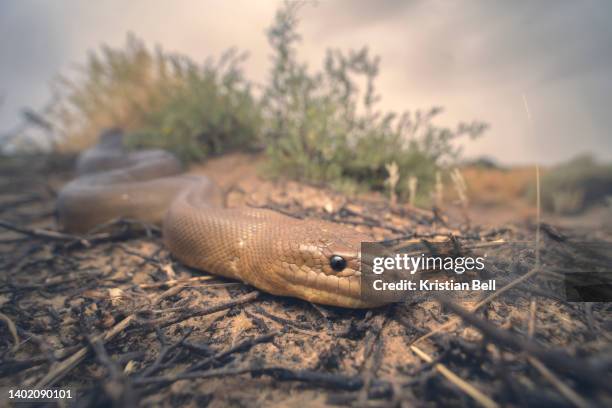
[[572, 186], [212, 112], [162, 99], [317, 127], [322, 127]]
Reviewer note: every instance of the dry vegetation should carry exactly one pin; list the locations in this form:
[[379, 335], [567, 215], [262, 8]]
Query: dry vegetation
[[499, 187]]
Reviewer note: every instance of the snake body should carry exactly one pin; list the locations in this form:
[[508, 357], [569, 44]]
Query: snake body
[[314, 260]]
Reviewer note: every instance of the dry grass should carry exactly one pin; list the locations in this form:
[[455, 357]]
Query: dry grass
[[497, 187]]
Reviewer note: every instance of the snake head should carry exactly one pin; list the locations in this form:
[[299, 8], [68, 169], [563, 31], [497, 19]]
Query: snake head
[[322, 264]]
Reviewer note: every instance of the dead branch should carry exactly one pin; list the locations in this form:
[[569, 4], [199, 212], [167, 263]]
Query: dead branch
[[557, 359]]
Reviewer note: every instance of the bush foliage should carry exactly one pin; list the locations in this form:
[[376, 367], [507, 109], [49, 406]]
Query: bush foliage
[[211, 112], [322, 127], [574, 185], [316, 126], [165, 100]]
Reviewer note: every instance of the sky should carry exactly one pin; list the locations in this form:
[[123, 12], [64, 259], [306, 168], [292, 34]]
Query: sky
[[537, 72]]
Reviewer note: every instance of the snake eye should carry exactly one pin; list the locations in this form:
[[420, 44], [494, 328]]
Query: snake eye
[[337, 263]]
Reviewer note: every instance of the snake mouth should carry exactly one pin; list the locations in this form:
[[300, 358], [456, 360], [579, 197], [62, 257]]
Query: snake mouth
[[313, 282], [318, 287]]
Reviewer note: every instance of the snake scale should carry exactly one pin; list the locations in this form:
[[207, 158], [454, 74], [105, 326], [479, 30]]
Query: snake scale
[[313, 260]]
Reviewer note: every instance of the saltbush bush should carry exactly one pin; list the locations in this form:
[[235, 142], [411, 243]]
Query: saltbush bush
[[161, 99], [321, 126], [572, 186]]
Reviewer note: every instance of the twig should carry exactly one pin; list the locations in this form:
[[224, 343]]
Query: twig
[[333, 381], [456, 380], [12, 329], [63, 368], [173, 282], [163, 379], [372, 354], [554, 358], [119, 386], [538, 216], [93, 236], [480, 304], [286, 322], [39, 233], [70, 239], [12, 367], [240, 347], [506, 288], [208, 310], [145, 258], [20, 201], [563, 389], [165, 350], [566, 391], [533, 304]]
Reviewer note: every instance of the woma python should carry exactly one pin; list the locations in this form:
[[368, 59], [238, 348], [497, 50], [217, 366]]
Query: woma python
[[313, 260]]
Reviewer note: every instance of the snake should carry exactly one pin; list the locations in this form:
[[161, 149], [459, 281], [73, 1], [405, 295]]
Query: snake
[[310, 259]]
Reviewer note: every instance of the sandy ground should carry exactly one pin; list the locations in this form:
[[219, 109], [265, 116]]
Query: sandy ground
[[197, 340]]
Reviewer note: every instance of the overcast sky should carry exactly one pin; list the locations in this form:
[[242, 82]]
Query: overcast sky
[[478, 59]]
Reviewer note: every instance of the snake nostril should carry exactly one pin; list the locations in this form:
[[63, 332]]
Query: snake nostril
[[337, 263]]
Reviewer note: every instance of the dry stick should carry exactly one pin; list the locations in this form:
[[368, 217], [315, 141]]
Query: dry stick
[[192, 375], [211, 309], [12, 329], [242, 346], [480, 304], [118, 387], [538, 215], [566, 391], [456, 380], [372, 355], [20, 201], [38, 232], [533, 304], [70, 363], [333, 381], [67, 365], [554, 358], [86, 241], [509, 286], [173, 282], [165, 350], [550, 376], [441, 368], [146, 258]]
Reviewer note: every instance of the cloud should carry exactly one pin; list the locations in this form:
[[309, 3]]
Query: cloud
[[30, 51], [479, 58]]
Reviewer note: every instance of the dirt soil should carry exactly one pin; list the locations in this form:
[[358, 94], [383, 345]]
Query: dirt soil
[[113, 318]]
